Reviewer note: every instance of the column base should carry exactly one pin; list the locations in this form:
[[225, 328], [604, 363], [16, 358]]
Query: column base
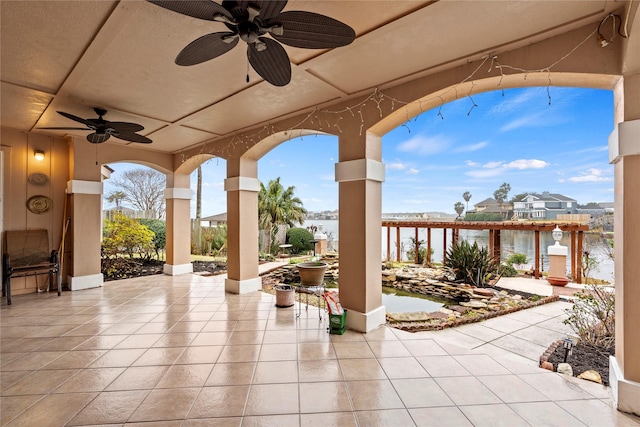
[[79, 283], [176, 270], [242, 286], [365, 322], [626, 394]]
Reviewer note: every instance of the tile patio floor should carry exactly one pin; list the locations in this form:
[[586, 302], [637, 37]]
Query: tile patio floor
[[178, 351]]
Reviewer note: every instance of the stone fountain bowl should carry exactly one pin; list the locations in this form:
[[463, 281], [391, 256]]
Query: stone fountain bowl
[[312, 273]]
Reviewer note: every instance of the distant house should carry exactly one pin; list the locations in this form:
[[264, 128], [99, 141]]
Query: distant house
[[544, 206], [490, 205], [214, 220]]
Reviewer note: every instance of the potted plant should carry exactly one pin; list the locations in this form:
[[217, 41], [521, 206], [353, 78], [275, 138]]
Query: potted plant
[[312, 273]]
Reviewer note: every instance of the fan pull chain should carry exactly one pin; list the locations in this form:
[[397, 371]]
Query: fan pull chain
[[96, 154], [248, 53]]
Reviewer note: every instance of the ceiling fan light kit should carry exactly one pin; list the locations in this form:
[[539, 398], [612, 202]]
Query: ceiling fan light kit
[[252, 22]]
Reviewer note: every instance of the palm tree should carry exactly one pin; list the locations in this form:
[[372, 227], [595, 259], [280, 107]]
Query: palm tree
[[116, 197], [466, 196], [276, 207], [459, 207]]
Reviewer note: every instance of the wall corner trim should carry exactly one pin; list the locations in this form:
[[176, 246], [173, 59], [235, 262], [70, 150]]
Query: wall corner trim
[[241, 183], [358, 170], [76, 186]]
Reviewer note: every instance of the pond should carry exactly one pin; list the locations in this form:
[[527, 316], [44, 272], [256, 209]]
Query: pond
[[398, 301]]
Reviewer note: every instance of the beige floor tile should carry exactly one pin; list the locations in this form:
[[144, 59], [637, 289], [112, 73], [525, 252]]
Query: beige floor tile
[[33, 361], [545, 414], [280, 337], [203, 354], [185, 376], [498, 415], [118, 358], [424, 348], [271, 399], [342, 419], [231, 374], [402, 367], [324, 397], [439, 417], [362, 369], [8, 378], [219, 326], [245, 337], [76, 359], [63, 343], [319, 370], [138, 378], [165, 423], [175, 340], [511, 389], [421, 393], [167, 404], [123, 328], [594, 412], [155, 328], [389, 349], [272, 421], [101, 342], [480, 364], [382, 333], [109, 407], [273, 352], [356, 350], [53, 410], [276, 372], [314, 335], [211, 338], [40, 382], [373, 395], [467, 391], [239, 353], [388, 417], [316, 351], [442, 366], [90, 380], [213, 422], [159, 356], [220, 401], [186, 327], [555, 386], [139, 341], [12, 406]]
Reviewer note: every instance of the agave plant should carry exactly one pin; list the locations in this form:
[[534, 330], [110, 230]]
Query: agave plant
[[472, 264]]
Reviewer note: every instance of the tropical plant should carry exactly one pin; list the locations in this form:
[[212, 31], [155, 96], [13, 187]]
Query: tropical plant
[[592, 316], [278, 206], [116, 197], [459, 208], [300, 240], [517, 258], [472, 265], [417, 246], [159, 229], [501, 194], [466, 196]]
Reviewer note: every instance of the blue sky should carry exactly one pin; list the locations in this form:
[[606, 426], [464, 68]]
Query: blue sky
[[515, 136]]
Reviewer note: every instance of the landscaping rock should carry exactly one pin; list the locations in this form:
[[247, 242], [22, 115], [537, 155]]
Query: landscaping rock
[[547, 365], [591, 375], [565, 368]]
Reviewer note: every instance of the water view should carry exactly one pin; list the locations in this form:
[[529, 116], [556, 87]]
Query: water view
[[397, 301], [511, 242]]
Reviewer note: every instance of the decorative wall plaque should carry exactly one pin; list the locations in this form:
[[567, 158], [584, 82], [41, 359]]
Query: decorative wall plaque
[[39, 204], [38, 179]]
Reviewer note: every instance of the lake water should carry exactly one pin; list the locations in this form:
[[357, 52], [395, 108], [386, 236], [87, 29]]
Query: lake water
[[511, 242]]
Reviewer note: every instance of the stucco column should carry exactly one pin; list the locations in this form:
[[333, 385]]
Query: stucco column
[[624, 153], [360, 205], [85, 233], [242, 187], [178, 199]]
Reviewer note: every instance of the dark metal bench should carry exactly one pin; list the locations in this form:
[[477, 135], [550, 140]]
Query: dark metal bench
[[26, 253]]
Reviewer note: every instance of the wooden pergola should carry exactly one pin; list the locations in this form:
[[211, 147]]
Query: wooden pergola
[[576, 228]]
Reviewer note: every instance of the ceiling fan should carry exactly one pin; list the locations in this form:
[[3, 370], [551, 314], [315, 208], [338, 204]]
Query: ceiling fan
[[252, 21], [104, 129]]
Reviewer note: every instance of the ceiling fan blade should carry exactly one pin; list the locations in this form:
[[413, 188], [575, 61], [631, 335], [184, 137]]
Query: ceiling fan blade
[[63, 128], [133, 137], [201, 9], [312, 31], [268, 8], [97, 138], [272, 63], [207, 47], [90, 124], [125, 127]]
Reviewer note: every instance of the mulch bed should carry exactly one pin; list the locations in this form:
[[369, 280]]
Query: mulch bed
[[585, 357]]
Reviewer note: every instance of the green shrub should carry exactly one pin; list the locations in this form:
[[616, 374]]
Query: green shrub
[[159, 229], [517, 258], [483, 216], [300, 240], [472, 264], [123, 239], [507, 270]]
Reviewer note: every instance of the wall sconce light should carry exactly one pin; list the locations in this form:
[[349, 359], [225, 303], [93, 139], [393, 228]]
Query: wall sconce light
[[39, 155]]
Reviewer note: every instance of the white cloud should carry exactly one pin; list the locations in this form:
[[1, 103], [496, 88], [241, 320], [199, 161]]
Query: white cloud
[[471, 147], [395, 166], [525, 121], [485, 173], [526, 164], [471, 163], [492, 165], [425, 145], [416, 201], [515, 103], [413, 171], [590, 175]]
